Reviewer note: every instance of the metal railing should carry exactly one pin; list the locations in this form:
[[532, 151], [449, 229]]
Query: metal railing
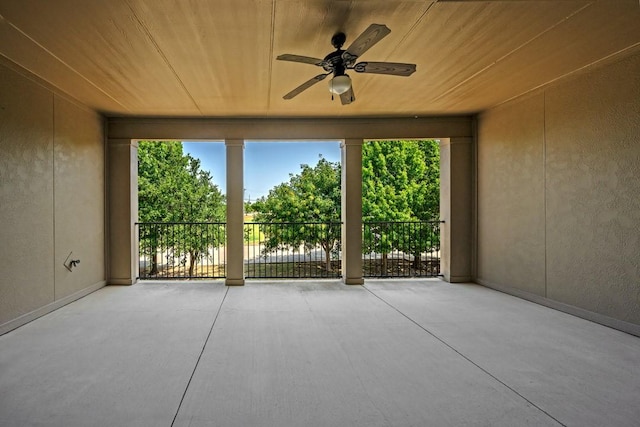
[[292, 250], [193, 250], [287, 250], [401, 249]]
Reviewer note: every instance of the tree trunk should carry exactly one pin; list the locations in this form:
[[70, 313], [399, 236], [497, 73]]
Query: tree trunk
[[416, 261], [154, 262], [192, 261], [385, 259], [327, 255]]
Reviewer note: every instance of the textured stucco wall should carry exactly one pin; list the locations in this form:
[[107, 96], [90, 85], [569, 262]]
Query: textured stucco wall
[[456, 207], [559, 192], [51, 196], [511, 234], [79, 197]]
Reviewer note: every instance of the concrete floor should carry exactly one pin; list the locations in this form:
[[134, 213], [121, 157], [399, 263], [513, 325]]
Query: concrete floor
[[390, 353]]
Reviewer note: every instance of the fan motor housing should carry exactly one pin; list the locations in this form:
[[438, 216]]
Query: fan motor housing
[[333, 63]]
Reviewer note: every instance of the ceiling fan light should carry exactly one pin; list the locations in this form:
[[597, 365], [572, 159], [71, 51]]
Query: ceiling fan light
[[340, 84]]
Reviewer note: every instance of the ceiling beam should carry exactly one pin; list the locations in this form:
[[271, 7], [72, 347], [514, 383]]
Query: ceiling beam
[[290, 129]]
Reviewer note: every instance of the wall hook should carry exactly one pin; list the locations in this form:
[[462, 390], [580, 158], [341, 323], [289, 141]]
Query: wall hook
[[70, 263]]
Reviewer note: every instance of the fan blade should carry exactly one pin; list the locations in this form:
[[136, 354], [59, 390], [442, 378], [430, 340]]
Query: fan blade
[[348, 97], [393, 68], [368, 38], [300, 58], [306, 85]]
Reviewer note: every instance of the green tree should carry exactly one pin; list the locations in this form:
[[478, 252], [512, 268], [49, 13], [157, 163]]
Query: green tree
[[312, 196], [398, 185], [200, 203], [161, 170], [426, 206], [173, 188]]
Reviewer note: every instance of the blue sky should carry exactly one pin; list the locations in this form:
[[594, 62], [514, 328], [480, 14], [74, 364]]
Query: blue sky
[[266, 163]]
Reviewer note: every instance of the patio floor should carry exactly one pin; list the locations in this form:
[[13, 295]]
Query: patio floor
[[316, 353]]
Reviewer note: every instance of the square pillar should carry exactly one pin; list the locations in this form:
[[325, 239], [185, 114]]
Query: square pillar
[[456, 208], [122, 181], [352, 211], [235, 212]]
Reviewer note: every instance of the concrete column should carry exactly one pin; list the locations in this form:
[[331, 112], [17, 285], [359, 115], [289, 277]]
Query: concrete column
[[235, 212], [122, 181], [456, 205], [352, 212]]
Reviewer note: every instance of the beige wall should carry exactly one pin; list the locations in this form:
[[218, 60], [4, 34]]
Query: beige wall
[[51, 198], [456, 209], [559, 193]]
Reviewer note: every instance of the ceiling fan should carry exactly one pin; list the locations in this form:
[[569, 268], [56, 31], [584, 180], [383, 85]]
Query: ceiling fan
[[338, 62]]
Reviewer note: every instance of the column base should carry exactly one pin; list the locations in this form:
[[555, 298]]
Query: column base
[[457, 279], [234, 282], [121, 282], [353, 281]]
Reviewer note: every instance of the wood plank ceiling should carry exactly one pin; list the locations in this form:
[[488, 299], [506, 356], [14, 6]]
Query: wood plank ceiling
[[217, 58]]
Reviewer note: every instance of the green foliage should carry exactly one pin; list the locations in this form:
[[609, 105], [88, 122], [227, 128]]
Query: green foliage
[[426, 206], [400, 180], [173, 188], [311, 196], [161, 172]]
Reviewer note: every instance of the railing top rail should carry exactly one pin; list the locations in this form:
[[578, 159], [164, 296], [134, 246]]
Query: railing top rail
[[284, 223], [433, 221], [180, 223], [295, 223]]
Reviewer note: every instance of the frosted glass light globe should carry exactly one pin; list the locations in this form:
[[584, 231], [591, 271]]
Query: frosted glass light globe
[[340, 84]]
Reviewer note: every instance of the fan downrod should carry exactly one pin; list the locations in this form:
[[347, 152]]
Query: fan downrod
[[338, 40]]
